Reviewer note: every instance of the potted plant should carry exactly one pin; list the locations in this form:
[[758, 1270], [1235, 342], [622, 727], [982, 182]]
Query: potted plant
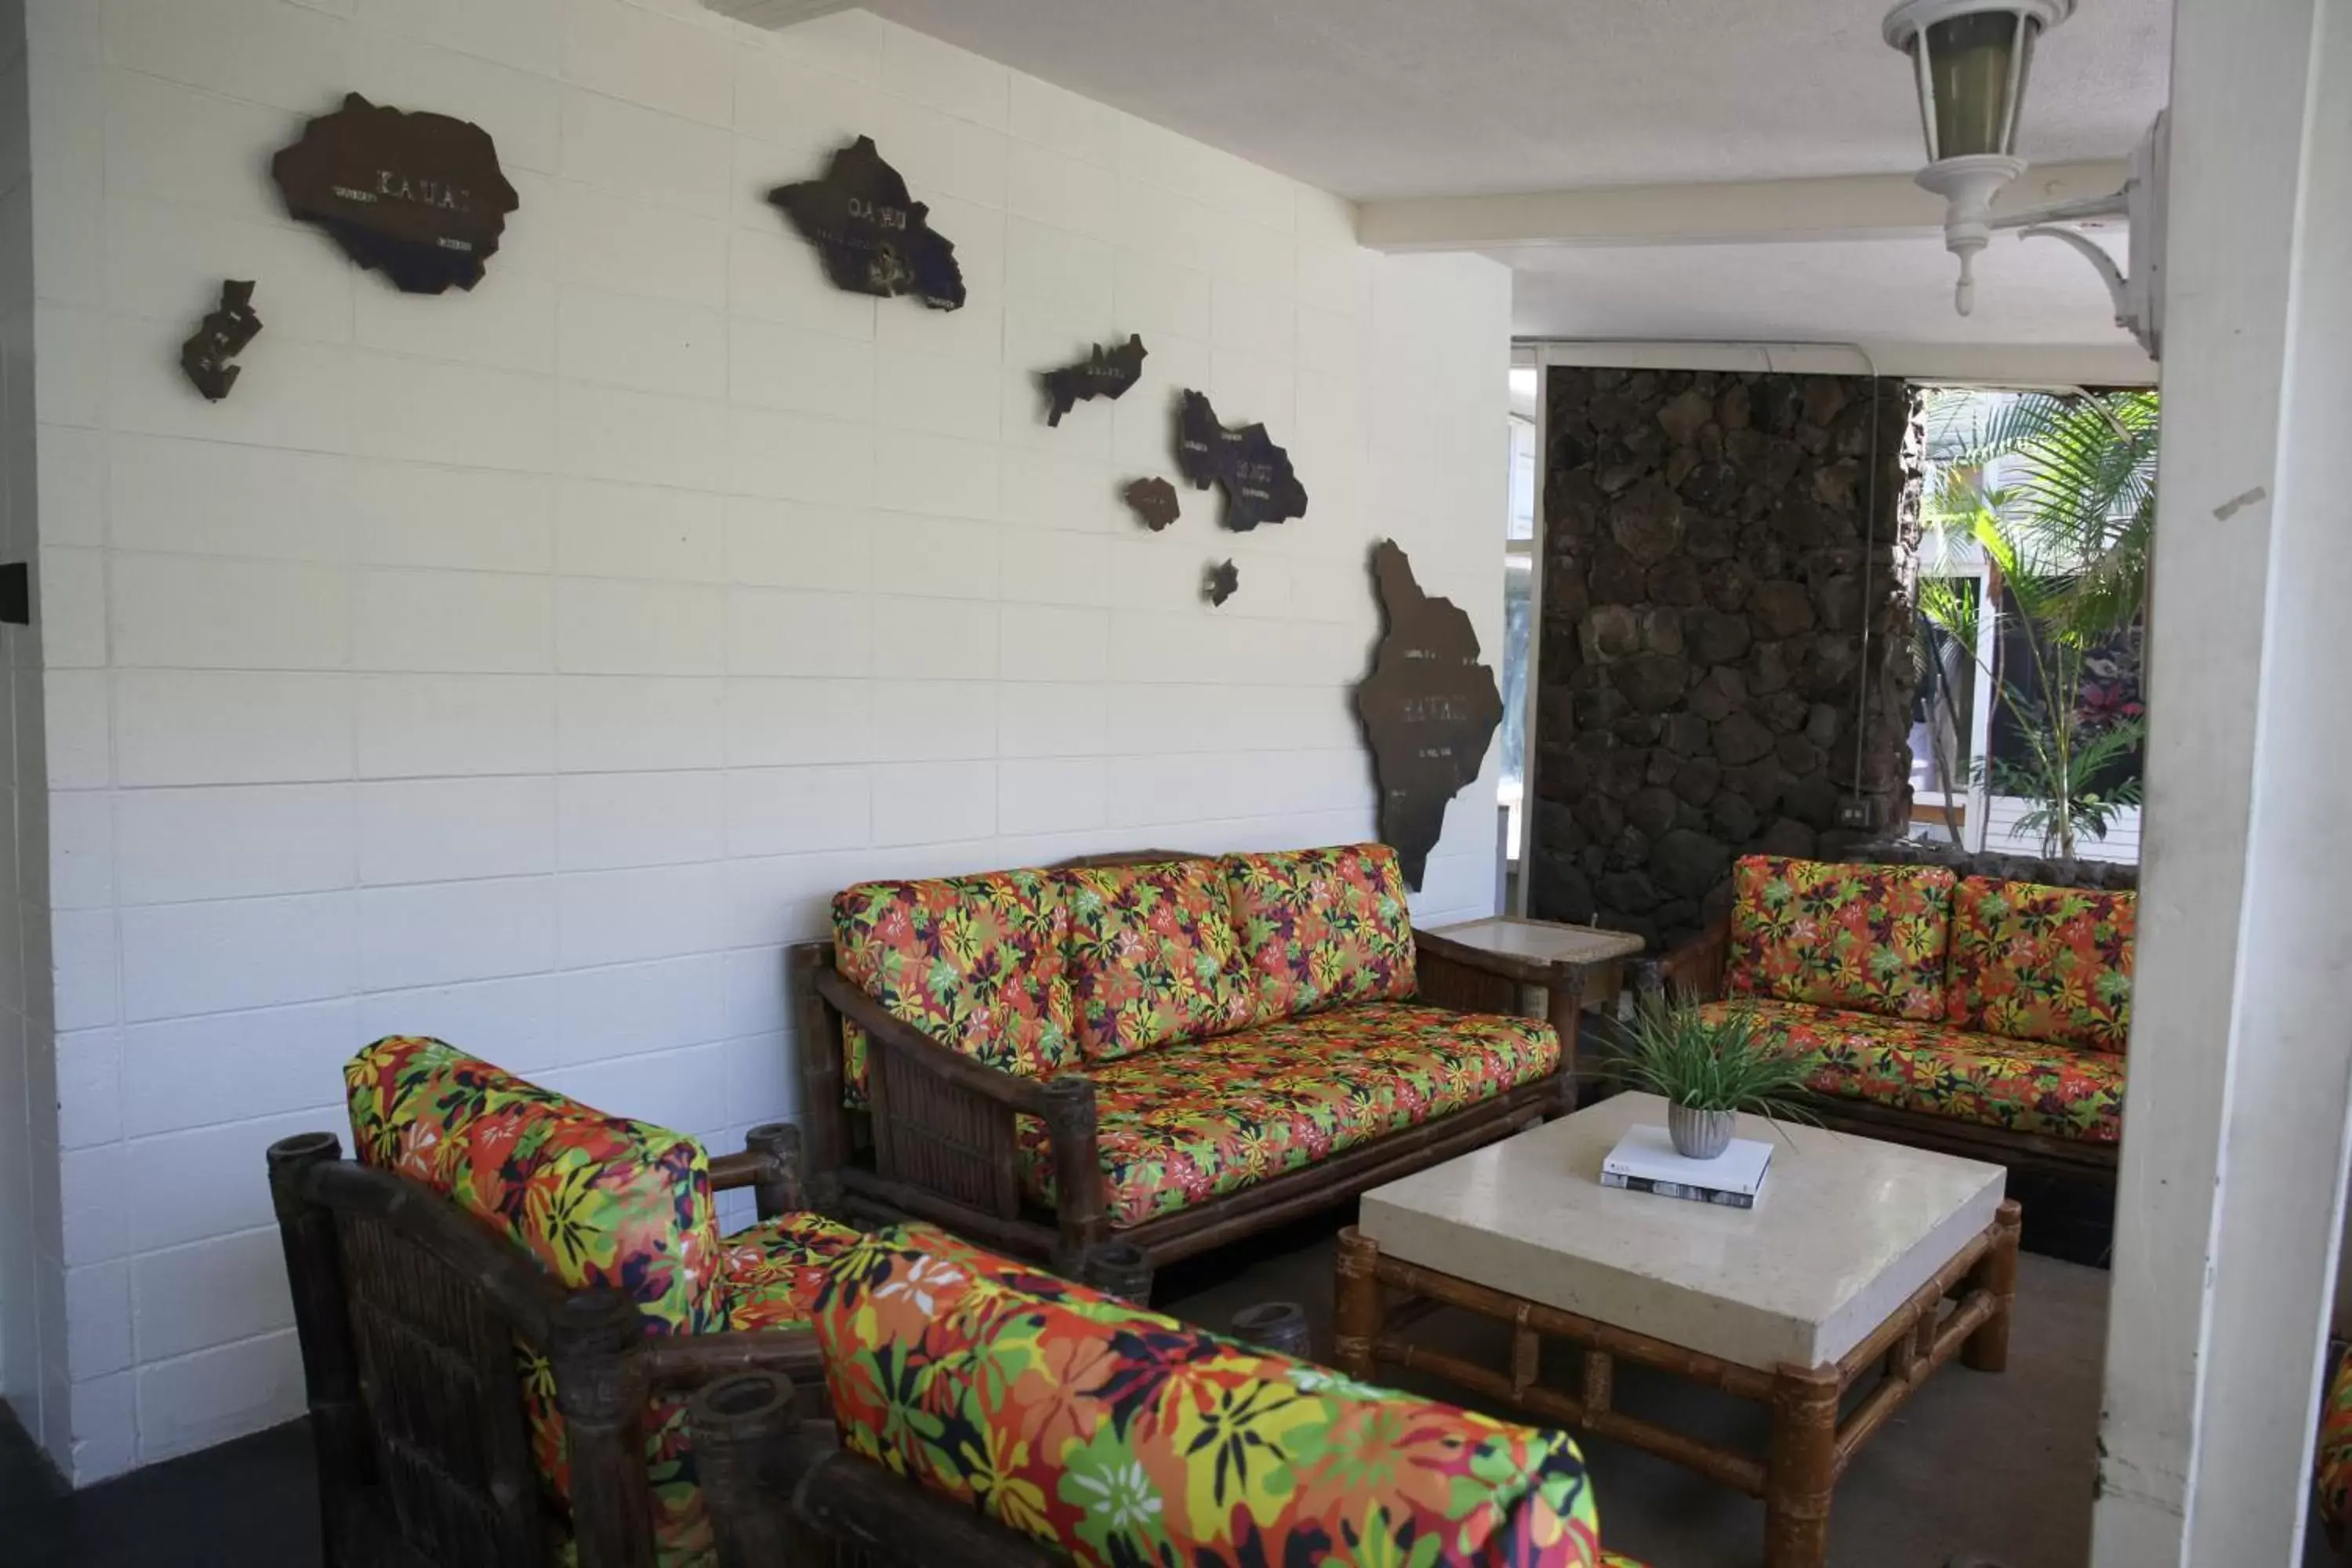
[[1708, 1071]]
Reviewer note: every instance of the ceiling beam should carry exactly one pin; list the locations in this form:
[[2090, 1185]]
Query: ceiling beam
[[778, 12], [1853, 206]]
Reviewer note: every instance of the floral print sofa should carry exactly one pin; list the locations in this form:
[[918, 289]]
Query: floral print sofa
[[1979, 1015], [1170, 1049], [1112, 1435]]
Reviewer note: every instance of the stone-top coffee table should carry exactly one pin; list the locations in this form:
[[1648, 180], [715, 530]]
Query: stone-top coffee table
[[1845, 1266]]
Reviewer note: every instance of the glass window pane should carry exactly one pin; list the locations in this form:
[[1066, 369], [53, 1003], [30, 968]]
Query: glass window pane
[[1522, 522], [1518, 575]]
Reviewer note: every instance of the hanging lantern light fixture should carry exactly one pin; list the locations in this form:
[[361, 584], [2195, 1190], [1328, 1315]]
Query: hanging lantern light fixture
[[1971, 60]]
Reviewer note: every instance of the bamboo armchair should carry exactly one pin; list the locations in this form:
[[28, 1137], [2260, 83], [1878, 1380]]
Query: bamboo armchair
[[939, 1143], [408, 1311]]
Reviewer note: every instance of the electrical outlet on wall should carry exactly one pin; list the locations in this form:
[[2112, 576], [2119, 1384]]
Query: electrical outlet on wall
[[1854, 811]]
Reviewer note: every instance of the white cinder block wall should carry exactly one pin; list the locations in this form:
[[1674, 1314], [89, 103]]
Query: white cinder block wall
[[32, 1274], [529, 666]]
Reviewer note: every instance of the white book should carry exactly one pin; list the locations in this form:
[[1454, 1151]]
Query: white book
[[1644, 1161]]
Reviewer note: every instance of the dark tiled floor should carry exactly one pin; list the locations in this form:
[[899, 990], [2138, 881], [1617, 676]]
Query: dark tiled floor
[[251, 1503], [246, 1504]]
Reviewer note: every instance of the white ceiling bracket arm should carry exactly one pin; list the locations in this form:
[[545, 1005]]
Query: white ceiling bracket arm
[[2118, 287]]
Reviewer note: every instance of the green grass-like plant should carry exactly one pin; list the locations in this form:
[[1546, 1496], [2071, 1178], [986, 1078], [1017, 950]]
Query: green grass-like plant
[[1705, 1065]]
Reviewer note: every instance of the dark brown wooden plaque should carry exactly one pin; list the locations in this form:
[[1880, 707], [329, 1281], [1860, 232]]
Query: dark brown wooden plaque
[[1223, 582], [224, 332], [1429, 709], [1154, 502], [874, 237], [1104, 372], [1259, 483], [419, 197]]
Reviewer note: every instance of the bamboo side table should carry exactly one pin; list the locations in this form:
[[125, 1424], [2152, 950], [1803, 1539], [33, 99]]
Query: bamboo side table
[[1864, 1263], [1585, 964]]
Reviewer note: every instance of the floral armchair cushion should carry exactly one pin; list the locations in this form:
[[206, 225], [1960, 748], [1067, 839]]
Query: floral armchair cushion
[[2035, 962], [1322, 928], [1124, 1437], [598, 1199], [1869, 938], [1153, 957], [976, 962]]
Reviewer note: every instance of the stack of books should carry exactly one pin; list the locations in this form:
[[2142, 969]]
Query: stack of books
[[1645, 1162]]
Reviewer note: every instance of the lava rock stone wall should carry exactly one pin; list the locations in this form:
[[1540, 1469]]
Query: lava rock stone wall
[[1718, 609]]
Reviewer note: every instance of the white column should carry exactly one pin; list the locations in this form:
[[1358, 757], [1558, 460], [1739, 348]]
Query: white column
[[2236, 1131]]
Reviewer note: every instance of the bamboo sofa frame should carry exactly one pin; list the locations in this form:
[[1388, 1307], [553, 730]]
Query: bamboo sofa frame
[[408, 1308], [942, 1145], [1696, 969]]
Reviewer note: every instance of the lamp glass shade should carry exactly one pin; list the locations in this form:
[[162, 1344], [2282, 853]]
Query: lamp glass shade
[[1976, 64]]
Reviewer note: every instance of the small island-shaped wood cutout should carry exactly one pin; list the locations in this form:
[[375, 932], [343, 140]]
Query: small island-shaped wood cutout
[[224, 333], [1154, 502], [1259, 483], [874, 237], [1429, 709], [1222, 583], [1104, 372], [419, 197]]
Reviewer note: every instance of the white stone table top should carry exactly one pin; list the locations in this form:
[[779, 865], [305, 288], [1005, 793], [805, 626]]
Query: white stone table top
[[1846, 1230]]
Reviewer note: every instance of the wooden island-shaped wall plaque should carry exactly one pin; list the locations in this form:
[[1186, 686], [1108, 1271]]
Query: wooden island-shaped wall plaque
[[418, 198], [1429, 709]]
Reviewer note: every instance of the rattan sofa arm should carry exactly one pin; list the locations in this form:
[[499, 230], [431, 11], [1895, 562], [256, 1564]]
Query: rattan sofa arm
[[769, 1164], [1693, 971], [679, 1362], [913, 1048]]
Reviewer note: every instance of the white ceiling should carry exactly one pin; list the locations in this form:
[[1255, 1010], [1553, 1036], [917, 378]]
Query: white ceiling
[[1377, 99]]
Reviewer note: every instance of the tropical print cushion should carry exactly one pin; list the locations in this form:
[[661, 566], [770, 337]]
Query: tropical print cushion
[[1322, 928], [976, 962], [1153, 957], [1867, 938], [1126, 1438], [2334, 1458], [1189, 1122], [2022, 1085], [598, 1199], [773, 1269], [2036, 963]]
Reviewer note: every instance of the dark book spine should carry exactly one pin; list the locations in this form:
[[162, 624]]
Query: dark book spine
[[1683, 1190]]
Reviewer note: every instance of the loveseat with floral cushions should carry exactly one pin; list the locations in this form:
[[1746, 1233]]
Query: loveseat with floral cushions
[[966, 1387], [1977, 1014], [1170, 1050]]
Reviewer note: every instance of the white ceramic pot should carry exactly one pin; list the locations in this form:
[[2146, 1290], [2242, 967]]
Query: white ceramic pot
[[1699, 1134]]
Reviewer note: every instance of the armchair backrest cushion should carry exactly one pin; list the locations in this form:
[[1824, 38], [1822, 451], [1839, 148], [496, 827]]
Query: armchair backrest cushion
[[1867, 939], [976, 962], [1121, 1436], [598, 1199], [1153, 957], [1321, 928], [2037, 963]]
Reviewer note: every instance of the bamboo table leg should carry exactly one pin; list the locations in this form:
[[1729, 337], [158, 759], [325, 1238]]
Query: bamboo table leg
[[1988, 1349], [1800, 1470], [1356, 1306]]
